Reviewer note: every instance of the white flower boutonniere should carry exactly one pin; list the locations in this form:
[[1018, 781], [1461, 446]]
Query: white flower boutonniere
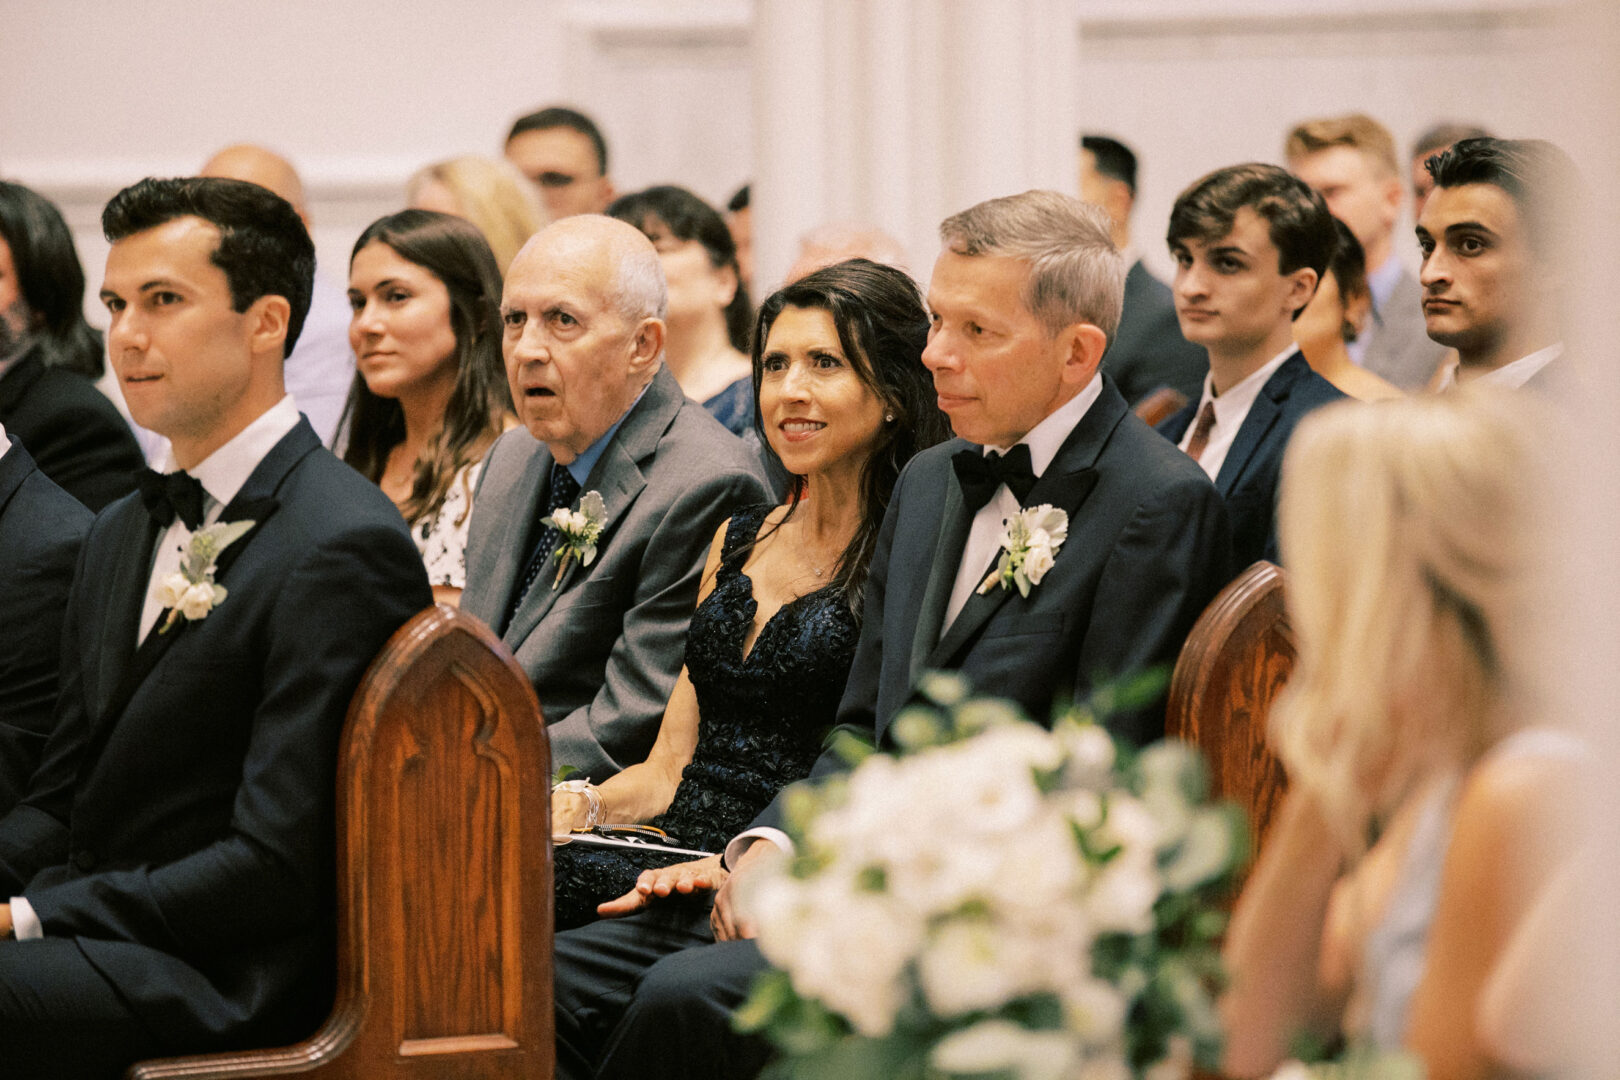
[[190, 592], [1028, 545], [579, 530]]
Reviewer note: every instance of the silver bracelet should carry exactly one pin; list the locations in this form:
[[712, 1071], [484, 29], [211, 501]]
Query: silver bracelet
[[593, 799]]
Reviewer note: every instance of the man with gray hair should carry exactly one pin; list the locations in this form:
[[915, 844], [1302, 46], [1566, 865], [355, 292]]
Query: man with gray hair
[[1024, 295], [605, 432]]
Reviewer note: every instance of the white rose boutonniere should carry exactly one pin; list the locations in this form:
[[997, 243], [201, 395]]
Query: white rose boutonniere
[[1028, 546], [190, 592], [579, 531]]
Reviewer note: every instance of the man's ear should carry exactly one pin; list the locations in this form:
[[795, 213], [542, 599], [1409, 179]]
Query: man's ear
[[1084, 344], [1301, 287], [647, 345], [268, 319]]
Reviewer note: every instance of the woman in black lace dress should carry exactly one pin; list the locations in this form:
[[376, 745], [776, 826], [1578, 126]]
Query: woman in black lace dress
[[843, 400]]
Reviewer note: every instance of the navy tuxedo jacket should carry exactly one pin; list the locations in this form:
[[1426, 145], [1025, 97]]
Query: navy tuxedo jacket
[[41, 530], [180, 826], [1147, 549], [1248, 477], [1148, 350], [76, 435]]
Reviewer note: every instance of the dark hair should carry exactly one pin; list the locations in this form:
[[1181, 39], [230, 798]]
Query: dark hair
[[1114, 159], [1442, 135], [739, 199], [264, 248], [1349, 269], [50, 278], [688, 217], [455, 252], [1539, 177], [882, 329], [558, 116], [1299, 225]]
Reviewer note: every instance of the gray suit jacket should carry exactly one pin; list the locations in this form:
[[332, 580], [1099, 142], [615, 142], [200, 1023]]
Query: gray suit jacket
[[1398, 344], [605, 647]]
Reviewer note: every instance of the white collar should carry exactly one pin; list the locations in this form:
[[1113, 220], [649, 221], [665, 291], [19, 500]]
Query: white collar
[[223, 472], [1512, 375], [1234, 403], [1046, 438], [5, 443]]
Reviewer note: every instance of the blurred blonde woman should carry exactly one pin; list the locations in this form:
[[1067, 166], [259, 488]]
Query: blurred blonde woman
[[1419, 817], [491, 194]]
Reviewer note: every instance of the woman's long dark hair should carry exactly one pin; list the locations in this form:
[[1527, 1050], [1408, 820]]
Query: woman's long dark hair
[[688, 217], [882, 329], [50, 278], [457, 254]]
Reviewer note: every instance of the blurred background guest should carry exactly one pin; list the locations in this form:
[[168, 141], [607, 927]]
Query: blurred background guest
[[1422, 816], [562, 151], [1147, 351], [1434, 140], [50, 357], [1336, 315], [845, 402], [430, 394], [710, 318], [491, 194], [319, 371], [840, 240]]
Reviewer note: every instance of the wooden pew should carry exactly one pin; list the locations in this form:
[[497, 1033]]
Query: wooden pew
[[444, 896], [1160, 405], [1238, 656]]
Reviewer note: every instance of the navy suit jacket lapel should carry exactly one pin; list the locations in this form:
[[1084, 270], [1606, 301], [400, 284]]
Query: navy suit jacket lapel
[[1262, 417], [1065, 484], [254, 502], [955, 522]]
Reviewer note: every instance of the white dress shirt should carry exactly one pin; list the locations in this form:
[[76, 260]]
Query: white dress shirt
[[979, 552], [5, 443], [1231, 407], [1514, 375], [222, 475]]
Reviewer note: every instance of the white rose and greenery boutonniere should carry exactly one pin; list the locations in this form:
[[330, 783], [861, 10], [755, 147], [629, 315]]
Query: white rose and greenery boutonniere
[[579, 530], [190, 592], [1028, 544]]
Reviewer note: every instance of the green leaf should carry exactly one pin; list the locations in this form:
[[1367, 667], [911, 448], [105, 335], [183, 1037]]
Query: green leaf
[[563, 773]]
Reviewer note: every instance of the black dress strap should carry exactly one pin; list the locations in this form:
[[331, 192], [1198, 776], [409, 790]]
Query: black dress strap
[[740, 534]]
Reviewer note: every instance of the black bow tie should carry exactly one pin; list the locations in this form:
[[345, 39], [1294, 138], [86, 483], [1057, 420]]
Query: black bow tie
[[171, 495], [980, 474]]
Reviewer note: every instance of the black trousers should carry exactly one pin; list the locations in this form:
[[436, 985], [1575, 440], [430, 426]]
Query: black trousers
[[59, 1019], [651, 996]]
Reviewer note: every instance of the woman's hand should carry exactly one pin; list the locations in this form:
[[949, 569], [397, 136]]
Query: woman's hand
[[700, 875], [570, 810]]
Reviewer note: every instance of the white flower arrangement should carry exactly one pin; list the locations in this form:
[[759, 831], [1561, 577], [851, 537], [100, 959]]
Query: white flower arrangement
[[1029, 542], [190, 592], [579, 529], [1001, 900]]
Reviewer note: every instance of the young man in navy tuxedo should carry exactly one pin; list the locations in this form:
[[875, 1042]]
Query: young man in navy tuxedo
[[170, 870], [1025, 295], [1250, 244]]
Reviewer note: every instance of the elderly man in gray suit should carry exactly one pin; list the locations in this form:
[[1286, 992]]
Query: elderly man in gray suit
[[607, 434]]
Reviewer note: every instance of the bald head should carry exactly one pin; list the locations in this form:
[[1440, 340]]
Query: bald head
[[583, 317], [256, 165]]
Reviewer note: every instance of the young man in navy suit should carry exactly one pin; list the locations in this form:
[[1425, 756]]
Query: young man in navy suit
[[1250, 244], [170, 870], [1024, 295]]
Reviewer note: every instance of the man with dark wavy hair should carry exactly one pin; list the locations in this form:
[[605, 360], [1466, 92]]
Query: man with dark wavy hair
[[1495, 235], [170, 869]]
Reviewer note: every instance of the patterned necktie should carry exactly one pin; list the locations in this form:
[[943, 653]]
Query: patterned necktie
[[1201, 430], [564, 490], [980, 474], [171, 495]]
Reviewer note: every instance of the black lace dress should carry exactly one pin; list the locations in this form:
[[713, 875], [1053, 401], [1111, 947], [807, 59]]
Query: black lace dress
[[762, 721]]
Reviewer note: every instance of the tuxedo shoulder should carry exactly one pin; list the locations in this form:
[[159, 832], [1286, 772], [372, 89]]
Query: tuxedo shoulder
[[324, 496], [1146, 457]]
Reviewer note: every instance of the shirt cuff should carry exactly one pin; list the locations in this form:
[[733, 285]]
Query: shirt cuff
[[25, 925], [743, 841]]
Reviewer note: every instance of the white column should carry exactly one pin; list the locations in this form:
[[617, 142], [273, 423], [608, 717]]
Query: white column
[[897, 114]]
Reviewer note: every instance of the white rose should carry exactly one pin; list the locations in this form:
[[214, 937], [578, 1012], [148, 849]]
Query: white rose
[[1050, 520], [1177, 1063], [172, 588], [198, 600], [1207, 849], [1111, 1067], [1000, 1046], [1091, 754], [1122, 896], [1095, 1010], [1037, 561]]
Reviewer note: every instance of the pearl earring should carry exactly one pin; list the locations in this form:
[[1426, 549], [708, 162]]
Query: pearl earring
[[888, 418]]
